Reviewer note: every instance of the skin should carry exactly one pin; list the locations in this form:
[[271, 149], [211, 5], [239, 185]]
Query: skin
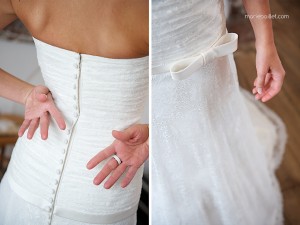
[[131, 146], [270, 73], [122, 33], [112, 29]]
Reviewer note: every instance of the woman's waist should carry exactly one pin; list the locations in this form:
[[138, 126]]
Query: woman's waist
[[80, 201], [51, 173], [52, 161]]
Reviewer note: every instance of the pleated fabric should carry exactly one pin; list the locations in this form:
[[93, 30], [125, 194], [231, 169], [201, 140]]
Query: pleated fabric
[[95, 95]]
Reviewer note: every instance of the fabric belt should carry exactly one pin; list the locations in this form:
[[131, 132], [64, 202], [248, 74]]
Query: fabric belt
[[184, 68]]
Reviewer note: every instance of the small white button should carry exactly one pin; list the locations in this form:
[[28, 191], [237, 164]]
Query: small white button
[[75, 115], [50, 200], [76, 66], [61, 161], [63, 151], [68, 131], [58, 171], [53, 191], [56, 182], [49, 209]]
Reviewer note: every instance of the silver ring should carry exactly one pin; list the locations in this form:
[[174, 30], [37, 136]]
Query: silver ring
[[119, 161]]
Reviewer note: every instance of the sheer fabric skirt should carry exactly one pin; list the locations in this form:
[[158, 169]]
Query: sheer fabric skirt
[[215, 150]]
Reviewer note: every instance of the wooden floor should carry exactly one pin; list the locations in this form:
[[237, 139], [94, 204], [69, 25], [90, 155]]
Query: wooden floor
[[287, 103]]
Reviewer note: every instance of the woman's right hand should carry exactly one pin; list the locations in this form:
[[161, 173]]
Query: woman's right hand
[[39, 105]]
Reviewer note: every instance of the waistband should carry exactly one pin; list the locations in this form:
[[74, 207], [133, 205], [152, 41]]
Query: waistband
[[184, 68]]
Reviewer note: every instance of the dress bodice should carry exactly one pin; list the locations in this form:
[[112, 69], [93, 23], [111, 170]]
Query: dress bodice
[[183, 29], [95, 95]]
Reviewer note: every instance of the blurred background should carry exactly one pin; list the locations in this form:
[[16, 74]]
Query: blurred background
[[287, 103], [18, 57]]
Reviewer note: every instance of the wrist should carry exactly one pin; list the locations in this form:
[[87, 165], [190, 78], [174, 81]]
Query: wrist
[[264, 45], [262, 42], [26, 93]]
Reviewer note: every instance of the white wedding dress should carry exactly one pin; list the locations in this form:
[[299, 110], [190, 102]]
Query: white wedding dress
[[214, 148], [47, 181]]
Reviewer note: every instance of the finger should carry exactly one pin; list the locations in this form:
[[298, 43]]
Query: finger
[[23, 127], [32, 127], [55, 113], [260, 84], [274, 86], [129, 176], [267, 78], [266, 88], [116, 174], [102, 155], [261, 75], [106, 170], [122, 135], [259, 96], [44, 125], [272, 91], [255, 81]]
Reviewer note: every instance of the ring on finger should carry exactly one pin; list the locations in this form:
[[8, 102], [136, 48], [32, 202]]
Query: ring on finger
[[119, 161]]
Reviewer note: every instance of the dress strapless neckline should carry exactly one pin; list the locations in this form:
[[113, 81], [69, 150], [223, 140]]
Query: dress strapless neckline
[[99, 58]]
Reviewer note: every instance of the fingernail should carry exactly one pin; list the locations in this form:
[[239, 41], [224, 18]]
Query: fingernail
[[259, 90], [96, 182]]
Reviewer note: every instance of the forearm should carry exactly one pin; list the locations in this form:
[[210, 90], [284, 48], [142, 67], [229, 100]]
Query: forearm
[[13, 88], [262, 26]]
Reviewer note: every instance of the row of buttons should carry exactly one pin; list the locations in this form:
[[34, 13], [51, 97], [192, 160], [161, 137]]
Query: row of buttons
[[66, 142]]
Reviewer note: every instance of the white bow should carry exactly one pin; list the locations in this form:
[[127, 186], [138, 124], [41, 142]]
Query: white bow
[[184, 68]]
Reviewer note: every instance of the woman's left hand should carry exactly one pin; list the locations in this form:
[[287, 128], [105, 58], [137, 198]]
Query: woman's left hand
[[131, 147], [270, 73]]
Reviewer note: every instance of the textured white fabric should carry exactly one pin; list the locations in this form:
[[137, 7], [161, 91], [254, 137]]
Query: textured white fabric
[[95, 95], [15, 211], [214, 148]]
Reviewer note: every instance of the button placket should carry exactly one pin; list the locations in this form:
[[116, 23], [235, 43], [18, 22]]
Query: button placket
[[60, 169]]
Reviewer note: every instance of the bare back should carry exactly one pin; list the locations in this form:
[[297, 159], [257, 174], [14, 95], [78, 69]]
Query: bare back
[[108, 28]]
